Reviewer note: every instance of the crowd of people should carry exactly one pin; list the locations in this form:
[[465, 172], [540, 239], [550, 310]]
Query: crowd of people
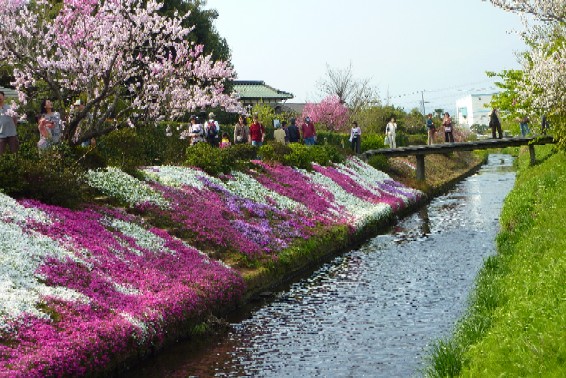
[[201, 130], [208, 131]]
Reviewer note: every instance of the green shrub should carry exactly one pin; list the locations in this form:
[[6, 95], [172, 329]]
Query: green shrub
[[301, 156], [211, 160], [332, 138], [379, 162], [416, 140], [123, 149], [53, 178], [11, 174], [241, 152], [372, 142], [159, 147], [88, 157], [274, 151]]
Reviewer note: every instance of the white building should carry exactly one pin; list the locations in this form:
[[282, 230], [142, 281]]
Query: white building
[[474, 109]]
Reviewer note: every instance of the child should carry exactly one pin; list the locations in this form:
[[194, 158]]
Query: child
[[225, 141]]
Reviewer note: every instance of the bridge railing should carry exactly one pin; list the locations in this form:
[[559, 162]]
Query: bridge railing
[[422, 150]]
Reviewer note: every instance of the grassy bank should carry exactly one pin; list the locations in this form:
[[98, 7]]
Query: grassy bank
[[516, 321]]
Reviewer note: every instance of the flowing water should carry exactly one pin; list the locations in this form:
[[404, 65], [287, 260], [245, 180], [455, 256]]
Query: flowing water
[[373, 311]]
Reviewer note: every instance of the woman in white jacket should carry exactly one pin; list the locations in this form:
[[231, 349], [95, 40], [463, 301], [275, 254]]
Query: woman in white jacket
[[390, 133]]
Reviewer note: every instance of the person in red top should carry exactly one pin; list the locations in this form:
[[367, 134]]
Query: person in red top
[[257, 132], [308, 132]]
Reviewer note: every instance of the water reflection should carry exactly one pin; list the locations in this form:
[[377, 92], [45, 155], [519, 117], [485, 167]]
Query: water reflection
[[372, 311]]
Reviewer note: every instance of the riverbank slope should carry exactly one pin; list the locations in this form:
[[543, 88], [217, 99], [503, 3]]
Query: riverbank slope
[[90, 290], [516, 322]]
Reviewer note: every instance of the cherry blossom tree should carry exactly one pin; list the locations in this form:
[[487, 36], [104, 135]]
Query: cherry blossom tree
[[547, 10], [124, 60], [542, 84], [330, 112]]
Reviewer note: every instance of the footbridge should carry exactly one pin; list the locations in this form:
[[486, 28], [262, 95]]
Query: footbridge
[[421, 151]]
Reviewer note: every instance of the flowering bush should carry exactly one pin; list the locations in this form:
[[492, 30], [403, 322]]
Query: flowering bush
[[80, 288]]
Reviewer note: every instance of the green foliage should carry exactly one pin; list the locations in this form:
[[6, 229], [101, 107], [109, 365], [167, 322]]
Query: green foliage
[[515, 322], [372, 141], [53, 178], [204, 31], [123, 148], [299, 155], [374, 119], [379, 162], [159, 148], [333, 138], [219, 160], [209, 159], [445, 360]]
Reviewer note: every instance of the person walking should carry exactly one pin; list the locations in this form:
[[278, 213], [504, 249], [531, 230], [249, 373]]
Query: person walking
[[448, 131], [241, 131], [257, 132], [390, 133], [8, 132], [308, 132], [495, 123], [293, 131], [431, 129], [355, 137], [524, 125]]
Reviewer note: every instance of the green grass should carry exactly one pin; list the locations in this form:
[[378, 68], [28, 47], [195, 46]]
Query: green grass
[[516, 320]]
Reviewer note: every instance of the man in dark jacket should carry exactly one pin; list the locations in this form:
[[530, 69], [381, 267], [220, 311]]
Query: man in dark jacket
[[293, 132]]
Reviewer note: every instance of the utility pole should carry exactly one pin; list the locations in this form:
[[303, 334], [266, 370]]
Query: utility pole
[[423, 102]]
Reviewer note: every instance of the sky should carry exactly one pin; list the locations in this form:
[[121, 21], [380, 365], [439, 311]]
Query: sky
[[438, 50]]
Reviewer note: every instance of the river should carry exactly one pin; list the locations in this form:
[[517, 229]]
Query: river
[[373, 311]]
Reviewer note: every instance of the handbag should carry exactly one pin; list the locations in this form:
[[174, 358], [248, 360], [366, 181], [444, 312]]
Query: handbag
[[386, 141]]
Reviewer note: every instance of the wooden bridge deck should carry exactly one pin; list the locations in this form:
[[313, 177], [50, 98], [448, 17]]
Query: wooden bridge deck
[[421, 151]]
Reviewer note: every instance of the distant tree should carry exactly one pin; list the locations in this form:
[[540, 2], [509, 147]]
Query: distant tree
[[541, 85], [545, 10], [330, 112], [373, 119], [354, 93], [202, 21]]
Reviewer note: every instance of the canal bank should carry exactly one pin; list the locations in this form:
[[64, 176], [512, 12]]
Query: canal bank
[[93, 288], [515, 324], [342, 312], [302, 259], [443, 173]]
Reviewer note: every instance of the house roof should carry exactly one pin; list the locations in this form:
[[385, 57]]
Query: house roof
[[9, 92], [256, 89]]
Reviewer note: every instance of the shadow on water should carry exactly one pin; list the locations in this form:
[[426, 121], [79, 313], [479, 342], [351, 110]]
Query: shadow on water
[[370, 312]]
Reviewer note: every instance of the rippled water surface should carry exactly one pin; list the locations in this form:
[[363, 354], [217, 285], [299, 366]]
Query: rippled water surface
[[372, 311]]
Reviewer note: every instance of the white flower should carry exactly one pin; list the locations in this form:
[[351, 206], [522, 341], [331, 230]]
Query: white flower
[[124, 187]]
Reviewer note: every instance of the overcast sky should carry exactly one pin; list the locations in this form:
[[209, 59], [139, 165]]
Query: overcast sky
[[441, 47]]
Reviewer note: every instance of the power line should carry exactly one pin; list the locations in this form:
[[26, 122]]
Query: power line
[[450, 88]]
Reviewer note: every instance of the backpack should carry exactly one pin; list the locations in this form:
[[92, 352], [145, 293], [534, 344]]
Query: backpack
[[212, 131]]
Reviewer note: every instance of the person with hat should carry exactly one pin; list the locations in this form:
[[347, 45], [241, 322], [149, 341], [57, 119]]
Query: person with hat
[[212, 130], [308, 132]]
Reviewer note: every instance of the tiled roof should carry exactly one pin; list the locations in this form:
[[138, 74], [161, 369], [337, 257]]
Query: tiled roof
[[9, 92], [255, 89]]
